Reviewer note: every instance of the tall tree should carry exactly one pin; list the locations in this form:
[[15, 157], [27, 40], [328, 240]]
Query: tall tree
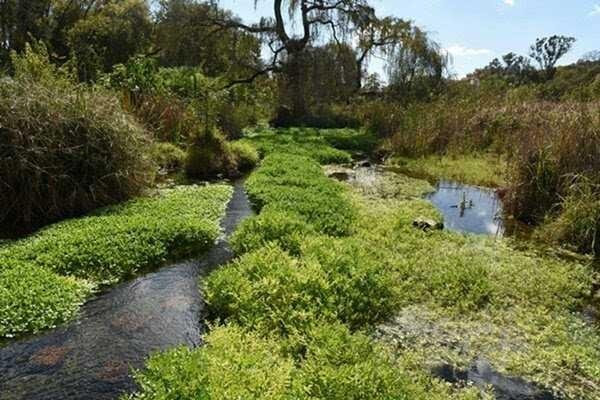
[[185, 36], [549, 50], [416, 66], [324, 20], [114, 32]]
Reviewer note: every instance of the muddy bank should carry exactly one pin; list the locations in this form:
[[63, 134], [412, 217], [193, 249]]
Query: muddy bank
[[92, 357]]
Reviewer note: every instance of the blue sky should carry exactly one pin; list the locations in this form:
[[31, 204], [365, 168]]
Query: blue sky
[[476, 31]]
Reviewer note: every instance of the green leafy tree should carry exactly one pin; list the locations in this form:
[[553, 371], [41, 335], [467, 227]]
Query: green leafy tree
[[111, 35], [185, 36]]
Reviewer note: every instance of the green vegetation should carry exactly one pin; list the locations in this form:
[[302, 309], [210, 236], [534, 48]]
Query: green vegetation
[[327, 146], [311, 298], [46, 276], [485, 170], [334, 294], [236, 363], [64, 149], [168, 156]]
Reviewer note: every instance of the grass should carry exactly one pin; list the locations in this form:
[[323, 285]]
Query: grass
[[483, 170], [65, 149], [48, 275], [315, 297]]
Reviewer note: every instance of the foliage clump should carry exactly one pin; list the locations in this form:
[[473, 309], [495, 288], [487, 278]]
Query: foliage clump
[[33, 298], [64, 149]]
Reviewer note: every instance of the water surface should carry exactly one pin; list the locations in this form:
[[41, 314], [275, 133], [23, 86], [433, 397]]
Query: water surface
[[470, 209], [92, 357]]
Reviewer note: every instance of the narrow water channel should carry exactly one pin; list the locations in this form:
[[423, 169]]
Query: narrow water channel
[[92, 357]]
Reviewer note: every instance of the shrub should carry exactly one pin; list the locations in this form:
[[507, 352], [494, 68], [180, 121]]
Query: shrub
[[64, 149], [234, 364], [245, 155], [167, 156], [33, 298], [282, 228], [119, 241], [210, 155]]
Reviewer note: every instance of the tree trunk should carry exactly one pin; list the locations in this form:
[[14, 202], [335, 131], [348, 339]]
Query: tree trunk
[[295, 93]]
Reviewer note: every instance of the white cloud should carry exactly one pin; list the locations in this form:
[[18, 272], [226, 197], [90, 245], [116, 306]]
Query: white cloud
[[509, 3], [595, 11], [461, 51]]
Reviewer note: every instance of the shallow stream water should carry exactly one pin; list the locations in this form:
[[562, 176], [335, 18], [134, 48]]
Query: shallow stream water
[[467, 208], [93, 356]]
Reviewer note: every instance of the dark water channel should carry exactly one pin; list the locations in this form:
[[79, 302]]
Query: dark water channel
[[92, 357], [470, 209]]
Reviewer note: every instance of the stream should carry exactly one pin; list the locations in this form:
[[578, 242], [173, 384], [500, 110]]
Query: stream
[[468, 209], [93, 356]]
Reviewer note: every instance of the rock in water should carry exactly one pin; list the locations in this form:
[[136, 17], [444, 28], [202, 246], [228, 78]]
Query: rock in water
[[426, 224]]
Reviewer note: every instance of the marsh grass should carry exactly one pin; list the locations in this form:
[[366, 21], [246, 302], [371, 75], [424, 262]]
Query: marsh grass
[[65, 149], [483, 170]]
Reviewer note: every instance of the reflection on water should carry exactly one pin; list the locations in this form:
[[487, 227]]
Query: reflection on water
[[92, 357], [469, 208]]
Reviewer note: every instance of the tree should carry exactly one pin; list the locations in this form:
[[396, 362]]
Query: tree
[[416, 66], [590, 57], [378, 37], [328, 20], [111, 35], [184, 36], [549, 50]]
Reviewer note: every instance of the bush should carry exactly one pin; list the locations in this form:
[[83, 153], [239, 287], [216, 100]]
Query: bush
[[167, 156], [64, 149], [122, 240], [282, 228], [245, 155], [234, 364], [209, 156], [33, 298]]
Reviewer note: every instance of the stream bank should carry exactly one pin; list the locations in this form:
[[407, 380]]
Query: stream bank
[[93, 356]]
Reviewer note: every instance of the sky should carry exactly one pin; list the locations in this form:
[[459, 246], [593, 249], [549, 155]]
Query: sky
[[476, 31]]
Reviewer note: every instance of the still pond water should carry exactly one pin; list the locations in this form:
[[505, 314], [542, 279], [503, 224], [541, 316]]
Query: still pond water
[[470, 209]]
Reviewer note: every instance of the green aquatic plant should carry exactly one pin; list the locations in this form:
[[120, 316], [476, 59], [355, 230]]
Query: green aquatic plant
[[46, 277]]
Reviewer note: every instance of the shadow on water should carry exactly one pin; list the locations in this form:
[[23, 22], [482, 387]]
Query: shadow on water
[[92, 357], [471, 209], [481, 374]]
